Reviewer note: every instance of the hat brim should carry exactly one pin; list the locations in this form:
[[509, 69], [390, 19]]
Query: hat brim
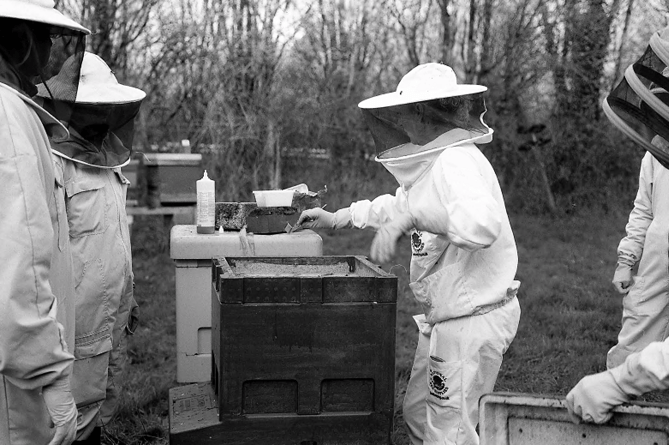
[[33, 13], [108, 94], [618, 122], [98, 94], [403, 98]]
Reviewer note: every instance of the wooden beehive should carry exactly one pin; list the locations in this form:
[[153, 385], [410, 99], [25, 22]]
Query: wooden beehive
[[303, 348], [171, 178]]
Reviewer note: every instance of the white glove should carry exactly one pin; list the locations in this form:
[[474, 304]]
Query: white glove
[[622, 278], [62, 409], [593, 398], [385, 241], [317, 218]]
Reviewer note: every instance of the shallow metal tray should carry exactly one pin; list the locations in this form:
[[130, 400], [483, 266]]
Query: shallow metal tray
[[526, 419]]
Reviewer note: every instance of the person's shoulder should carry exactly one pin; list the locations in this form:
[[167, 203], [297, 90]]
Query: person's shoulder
[[466, 152], [9, 91], [17, 105], [651, 167], [17, 120], [11, 101]]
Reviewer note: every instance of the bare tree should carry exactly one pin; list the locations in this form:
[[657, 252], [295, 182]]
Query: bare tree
[[411, 17], [116, 25]]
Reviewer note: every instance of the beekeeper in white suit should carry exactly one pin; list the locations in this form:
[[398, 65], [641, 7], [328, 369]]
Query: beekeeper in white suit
[[36, 285], [101, 126], [464, 255], [639, 107], [642, 272]]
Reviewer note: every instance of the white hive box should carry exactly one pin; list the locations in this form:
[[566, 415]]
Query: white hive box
[[192, 254], [524, 419]]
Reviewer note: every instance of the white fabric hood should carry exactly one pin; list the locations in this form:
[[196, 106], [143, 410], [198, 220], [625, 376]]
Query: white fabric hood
[[408, 162]]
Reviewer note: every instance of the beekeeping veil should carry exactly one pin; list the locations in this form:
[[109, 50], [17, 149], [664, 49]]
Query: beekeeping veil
[[25, 25], [639, 104], [100, 119], [428, 112]]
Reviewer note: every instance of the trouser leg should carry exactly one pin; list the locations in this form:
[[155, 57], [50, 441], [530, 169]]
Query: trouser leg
[[645, 320], [117, 367], [413, 407], [465, 355]]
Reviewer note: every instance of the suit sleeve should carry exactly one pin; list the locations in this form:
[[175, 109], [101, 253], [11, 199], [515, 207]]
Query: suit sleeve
[[644, 371], [377, 212], [463, 209], [631, 247]]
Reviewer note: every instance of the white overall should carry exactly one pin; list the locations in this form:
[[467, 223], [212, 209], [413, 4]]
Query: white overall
[[105, 306], [646, 247], [463, 265]]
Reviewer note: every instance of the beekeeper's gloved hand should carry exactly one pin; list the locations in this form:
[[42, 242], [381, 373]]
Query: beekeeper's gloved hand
[[318, 218], [622, 278], [593, 398], [60, 404], [385, 241]]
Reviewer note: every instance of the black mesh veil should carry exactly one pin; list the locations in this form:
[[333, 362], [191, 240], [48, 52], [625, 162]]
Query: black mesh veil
[[37, 51], [406, 129], [61, 75], [639, 104], [101, 135], [100, 118], [67, 54]]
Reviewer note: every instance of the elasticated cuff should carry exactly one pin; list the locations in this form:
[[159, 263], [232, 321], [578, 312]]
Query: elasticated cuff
[[630, 378], [627, 259], [342, 219]]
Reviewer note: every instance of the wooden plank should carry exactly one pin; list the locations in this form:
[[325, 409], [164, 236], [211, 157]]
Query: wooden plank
[[168, 210]]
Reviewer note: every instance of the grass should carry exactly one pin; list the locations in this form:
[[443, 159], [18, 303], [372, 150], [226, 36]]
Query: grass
[[570, 315]]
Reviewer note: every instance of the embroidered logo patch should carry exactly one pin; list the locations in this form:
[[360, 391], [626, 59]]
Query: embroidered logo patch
[[417, 244], [438, 386]]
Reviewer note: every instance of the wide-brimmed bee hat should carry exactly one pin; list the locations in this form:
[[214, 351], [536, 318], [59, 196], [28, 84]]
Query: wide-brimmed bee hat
[[100, 119], [428, 95], [41, 11]]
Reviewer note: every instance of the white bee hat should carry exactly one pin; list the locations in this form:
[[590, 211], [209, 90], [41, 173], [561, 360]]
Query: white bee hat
[[40, 11], [428, 81], [97, 84]]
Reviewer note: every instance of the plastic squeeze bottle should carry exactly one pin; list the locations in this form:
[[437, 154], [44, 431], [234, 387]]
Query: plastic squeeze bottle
[[206, 204]]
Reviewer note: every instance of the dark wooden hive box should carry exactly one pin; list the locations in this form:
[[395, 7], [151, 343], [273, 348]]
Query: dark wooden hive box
[[303, 351]]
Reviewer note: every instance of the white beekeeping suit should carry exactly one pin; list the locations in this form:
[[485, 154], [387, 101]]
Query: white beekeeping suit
[[645, 249], [464, 256], [101, 124], [639, 106], [36, 283]]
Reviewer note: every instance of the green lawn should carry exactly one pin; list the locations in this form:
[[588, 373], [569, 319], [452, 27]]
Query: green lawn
[[571, 315]]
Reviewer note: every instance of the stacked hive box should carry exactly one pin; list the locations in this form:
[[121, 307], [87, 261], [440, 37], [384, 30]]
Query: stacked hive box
[[171, 177], [192, 253], [303, 353]]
